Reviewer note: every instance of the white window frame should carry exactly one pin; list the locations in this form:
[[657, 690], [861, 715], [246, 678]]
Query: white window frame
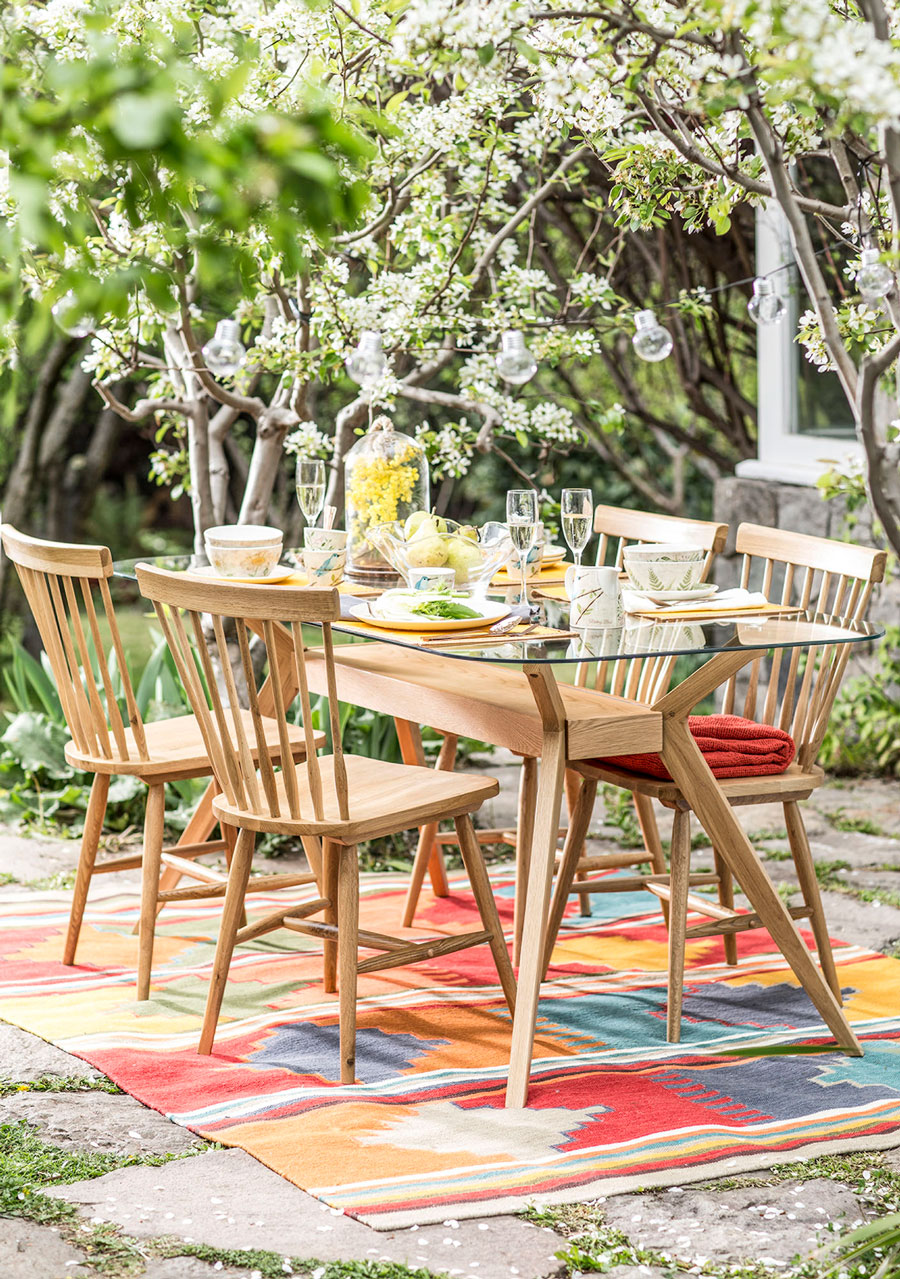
[[783, 452]]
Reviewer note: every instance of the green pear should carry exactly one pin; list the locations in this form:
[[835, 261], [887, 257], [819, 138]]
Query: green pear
[[426, 552], [463, 557], [469, 531], [414, 523]]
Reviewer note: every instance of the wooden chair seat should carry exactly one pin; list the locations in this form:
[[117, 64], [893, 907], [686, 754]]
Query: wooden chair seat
[[794, 783], [383, 793], [176, 749]]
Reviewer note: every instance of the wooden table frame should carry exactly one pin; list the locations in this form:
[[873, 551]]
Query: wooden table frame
[[562, 740]]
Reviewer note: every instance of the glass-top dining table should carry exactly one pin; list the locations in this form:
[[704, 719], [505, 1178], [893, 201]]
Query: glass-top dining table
[[506, 692]]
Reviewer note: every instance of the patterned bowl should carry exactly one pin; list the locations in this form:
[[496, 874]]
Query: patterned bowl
[[243, 550], [664, 567]]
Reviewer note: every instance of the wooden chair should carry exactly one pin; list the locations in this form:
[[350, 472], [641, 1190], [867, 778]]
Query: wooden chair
[[617, 528], [67, 588], [793, 690], [340, 799]]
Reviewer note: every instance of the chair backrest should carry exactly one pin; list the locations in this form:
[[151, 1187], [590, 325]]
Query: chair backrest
[[797, 688], [277, 614], [645, 679], [64, 585]]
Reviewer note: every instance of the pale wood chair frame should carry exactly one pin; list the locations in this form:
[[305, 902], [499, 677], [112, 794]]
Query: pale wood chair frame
[[796, 693], [338, 799], [617, 527], [62, 581]]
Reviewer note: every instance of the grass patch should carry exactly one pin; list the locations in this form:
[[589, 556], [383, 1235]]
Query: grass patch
[[6, 877], [52, 1083], [272, 1265], [840, 819], [28, 1164], [827, 871]]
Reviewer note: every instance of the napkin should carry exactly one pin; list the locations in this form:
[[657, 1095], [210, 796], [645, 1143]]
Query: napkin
[[723, 602], [732, 747]]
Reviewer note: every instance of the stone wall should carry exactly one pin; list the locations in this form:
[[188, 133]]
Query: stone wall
[[801, 509]]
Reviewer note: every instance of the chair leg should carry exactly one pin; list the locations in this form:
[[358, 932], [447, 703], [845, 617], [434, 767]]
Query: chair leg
[[229, 834], [579, 823], [238, 878], [643, 805], [573, 789], [93, 828], [524, 836], [809, 887], [427, 849], [154, 823], [473, 860], [330, 859], [726, 899], [679, 880], [348, 957]]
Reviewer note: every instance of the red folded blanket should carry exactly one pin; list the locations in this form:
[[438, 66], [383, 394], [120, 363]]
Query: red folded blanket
[[733, 747]]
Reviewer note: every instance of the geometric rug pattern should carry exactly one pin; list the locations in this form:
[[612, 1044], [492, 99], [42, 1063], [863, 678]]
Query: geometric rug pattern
[[424, 1136]]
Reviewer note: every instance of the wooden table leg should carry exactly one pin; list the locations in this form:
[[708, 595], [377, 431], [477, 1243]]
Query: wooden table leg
[[410, 738], [684, 760], [540, 878]]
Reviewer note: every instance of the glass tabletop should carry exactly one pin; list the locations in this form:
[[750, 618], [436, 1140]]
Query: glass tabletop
[[638, 637]]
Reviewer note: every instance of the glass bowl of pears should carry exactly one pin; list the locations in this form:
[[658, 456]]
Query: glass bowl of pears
[[427, 541]]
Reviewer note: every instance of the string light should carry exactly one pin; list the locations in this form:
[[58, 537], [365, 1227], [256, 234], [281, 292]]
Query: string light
[[367, 364], [70, 317], [874, 279], [767, 306], [515, 363], [224, 353], [651, 341]]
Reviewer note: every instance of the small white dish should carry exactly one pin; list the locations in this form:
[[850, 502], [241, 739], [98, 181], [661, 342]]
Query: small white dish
[[280, 573], [705, 592], [552, 554]]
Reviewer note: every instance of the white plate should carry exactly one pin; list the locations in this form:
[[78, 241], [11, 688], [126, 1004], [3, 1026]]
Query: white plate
[[553, 553], [675, 597], [280, 573], [488, 614]]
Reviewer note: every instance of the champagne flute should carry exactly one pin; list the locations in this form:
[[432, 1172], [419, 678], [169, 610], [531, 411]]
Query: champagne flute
[[522, 522], [311, 487], [577, 510]]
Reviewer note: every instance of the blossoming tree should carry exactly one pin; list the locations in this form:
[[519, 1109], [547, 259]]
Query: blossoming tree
[[491, 126]]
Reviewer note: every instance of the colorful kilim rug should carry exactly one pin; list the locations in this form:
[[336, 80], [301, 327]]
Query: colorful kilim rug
[[425, 1136]]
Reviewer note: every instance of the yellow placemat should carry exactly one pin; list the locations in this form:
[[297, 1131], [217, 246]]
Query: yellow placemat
[[699, 615], [555, 572]]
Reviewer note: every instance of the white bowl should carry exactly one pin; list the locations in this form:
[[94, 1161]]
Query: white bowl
[[676, 552], [663, 566], [254, 535], [325, 539]]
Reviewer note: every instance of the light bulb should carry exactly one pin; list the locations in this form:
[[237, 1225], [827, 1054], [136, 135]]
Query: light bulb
[[767, 305], [651, 341], [70, 317], [514, 361], [367, 364], [224, 353], [873, 279]]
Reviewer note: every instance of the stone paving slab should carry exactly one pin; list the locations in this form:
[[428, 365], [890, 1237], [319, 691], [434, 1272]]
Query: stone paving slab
[[25, 1057], [771, 1224], [98, 1121], [31, 1251], [225, 1199]]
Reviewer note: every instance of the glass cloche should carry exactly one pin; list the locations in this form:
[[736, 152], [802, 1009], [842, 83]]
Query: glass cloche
[[385, 479]]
